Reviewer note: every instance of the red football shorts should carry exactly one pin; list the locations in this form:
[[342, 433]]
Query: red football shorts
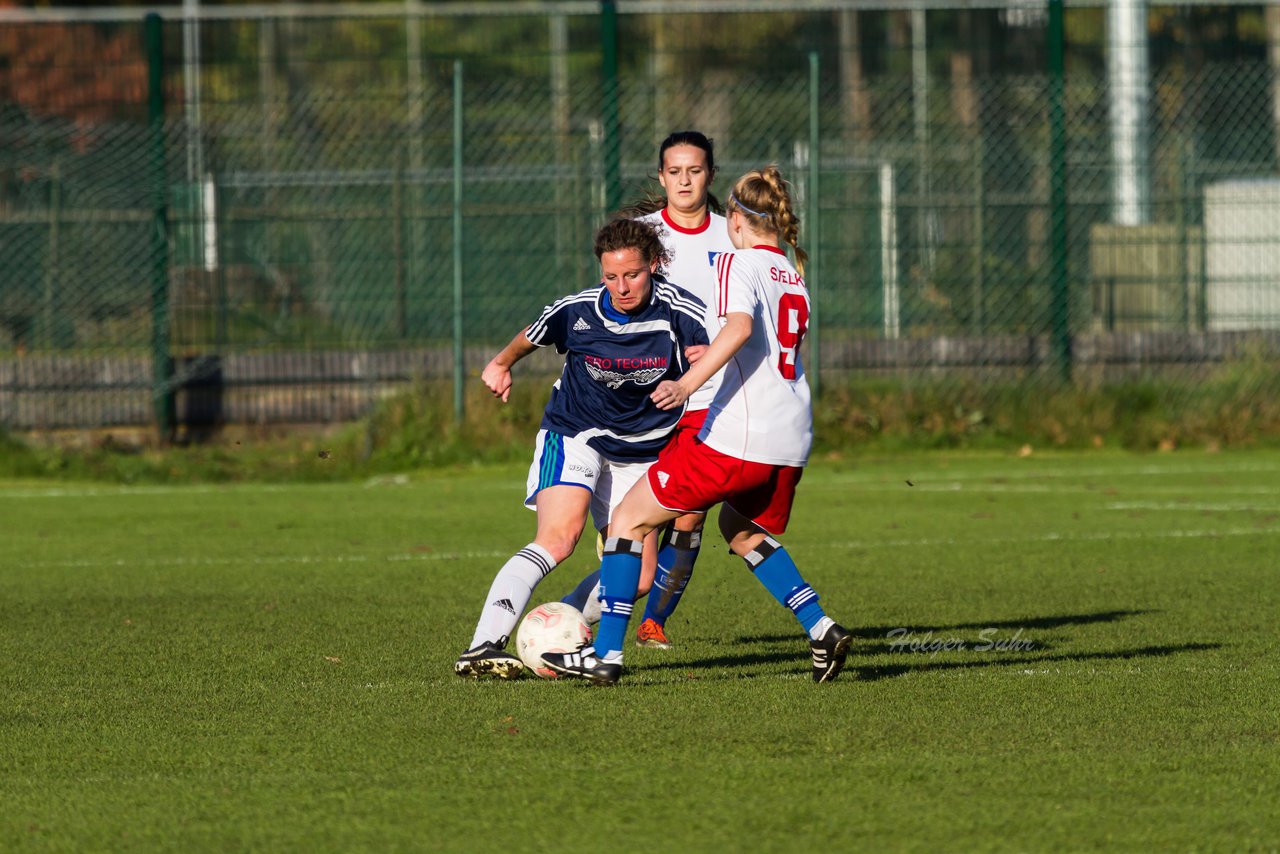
[[691, 477], [687, 429]]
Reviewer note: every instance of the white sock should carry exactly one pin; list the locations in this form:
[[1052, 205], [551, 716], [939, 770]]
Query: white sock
[[591, 610], [820, 628], [510, 593]]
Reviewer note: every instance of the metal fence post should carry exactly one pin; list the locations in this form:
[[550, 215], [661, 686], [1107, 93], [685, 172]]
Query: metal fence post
[[48, 308], [1202, 273], [1059, 299], [609, 109], [161, 359], [811, 274], [458, 354], [221, 232], [978, 299], [397, 246], [1180, 217], [413, 196]]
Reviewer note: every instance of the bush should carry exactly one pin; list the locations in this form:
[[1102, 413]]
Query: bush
[[1238, 405]]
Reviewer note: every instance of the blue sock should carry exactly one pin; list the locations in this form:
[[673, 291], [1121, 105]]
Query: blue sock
[[578, 598], [675, 568], [619, 579], [779, 575]]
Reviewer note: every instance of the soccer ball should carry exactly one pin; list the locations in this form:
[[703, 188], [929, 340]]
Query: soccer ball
[[553, 627]]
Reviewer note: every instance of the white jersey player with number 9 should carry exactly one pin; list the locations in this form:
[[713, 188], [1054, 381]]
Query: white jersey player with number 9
[[762, 410]]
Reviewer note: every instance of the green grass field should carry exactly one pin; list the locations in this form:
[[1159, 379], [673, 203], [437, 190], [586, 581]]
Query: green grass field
[[257, 667]]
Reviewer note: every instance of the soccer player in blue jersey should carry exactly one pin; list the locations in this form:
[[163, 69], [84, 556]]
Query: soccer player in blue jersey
[[750, 453], [693, 234], [600, 430]]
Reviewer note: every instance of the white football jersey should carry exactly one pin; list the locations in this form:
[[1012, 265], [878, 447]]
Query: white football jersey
[[692, 254], [762, 410]]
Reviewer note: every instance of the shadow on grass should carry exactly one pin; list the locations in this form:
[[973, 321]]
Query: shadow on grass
[[1027, 623], [872, 672], [1001, 651], [876, 672], [1049, 622]]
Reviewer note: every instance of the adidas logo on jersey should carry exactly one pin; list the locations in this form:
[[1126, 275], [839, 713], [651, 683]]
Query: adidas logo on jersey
[[581, 325], [663, 477], [504, 604]]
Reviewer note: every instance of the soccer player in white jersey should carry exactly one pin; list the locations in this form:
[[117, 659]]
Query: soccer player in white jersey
[[693, 235], [600, 430], [752, 450]]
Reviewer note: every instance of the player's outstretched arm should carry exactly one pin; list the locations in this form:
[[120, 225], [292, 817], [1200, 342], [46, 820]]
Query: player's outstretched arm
[[497, 374], [728, 341]]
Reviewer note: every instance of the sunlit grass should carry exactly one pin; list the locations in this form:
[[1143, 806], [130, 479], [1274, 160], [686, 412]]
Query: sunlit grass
[[1053, 652]]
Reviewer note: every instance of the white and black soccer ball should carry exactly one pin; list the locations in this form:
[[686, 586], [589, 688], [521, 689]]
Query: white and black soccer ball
[[553, 627]]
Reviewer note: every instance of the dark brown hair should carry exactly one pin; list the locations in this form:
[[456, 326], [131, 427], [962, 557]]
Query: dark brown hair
[[655, 201], [630, 234]]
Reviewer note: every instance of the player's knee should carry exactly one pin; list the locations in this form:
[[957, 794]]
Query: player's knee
[[731, 526], [690, 522], [741, 534], [627, 526], [559, 544]]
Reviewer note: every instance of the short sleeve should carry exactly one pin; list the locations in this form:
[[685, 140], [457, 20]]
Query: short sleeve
[[735, 291], [552, 327]]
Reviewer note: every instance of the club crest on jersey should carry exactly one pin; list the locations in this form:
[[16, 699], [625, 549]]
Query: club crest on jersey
[[641, 370]]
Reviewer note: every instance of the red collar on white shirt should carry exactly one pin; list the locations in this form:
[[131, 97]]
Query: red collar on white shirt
[[706, 223]]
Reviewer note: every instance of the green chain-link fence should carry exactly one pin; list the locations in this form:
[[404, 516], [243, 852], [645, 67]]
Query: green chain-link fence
[[285, 218]]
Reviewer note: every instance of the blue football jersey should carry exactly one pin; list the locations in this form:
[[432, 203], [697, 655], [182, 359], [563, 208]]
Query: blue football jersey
[[613, 363]]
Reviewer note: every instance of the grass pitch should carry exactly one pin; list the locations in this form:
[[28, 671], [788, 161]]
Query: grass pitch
[[1053, 653]]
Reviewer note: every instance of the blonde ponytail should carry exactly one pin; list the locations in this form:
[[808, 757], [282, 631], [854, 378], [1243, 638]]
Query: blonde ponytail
[[764, 196]]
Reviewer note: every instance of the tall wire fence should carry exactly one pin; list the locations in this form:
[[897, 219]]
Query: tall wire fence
[[283, 218]]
